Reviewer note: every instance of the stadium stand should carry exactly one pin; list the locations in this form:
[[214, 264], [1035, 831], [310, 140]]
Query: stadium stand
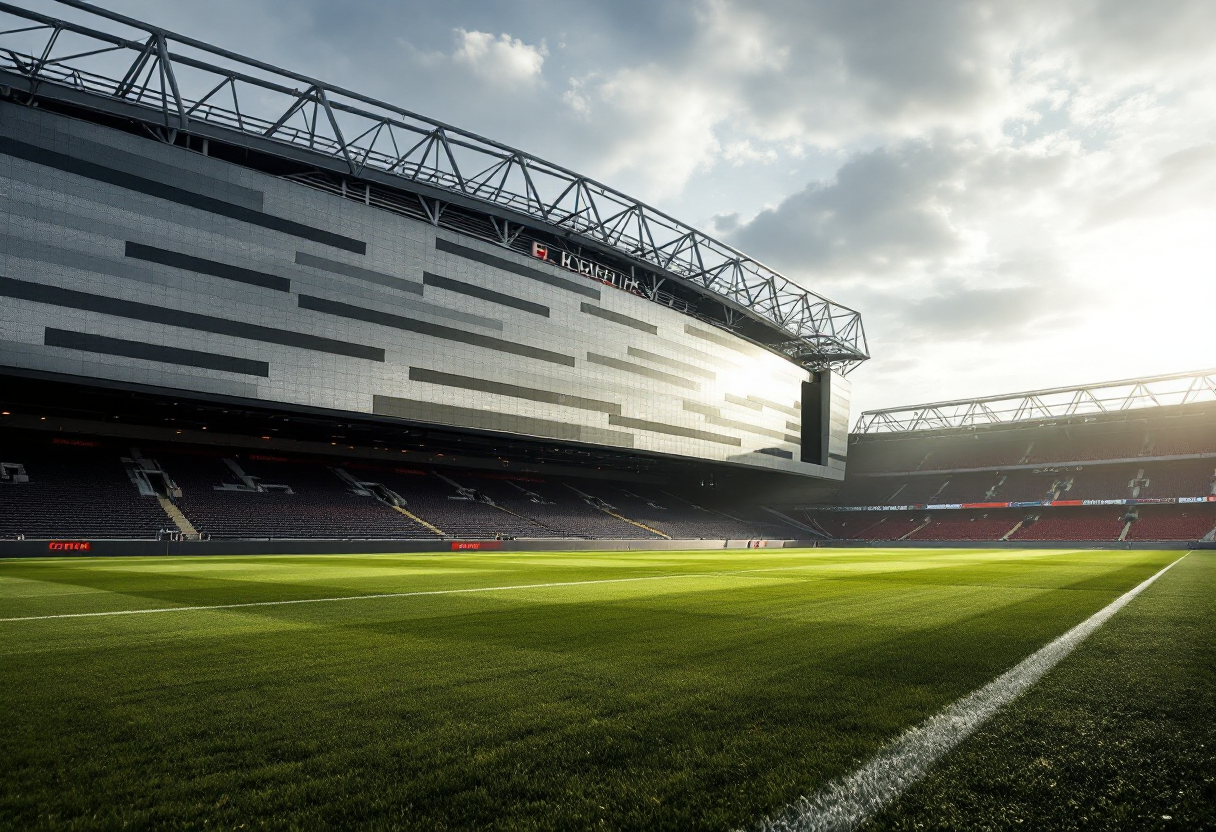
[[1074, 524], [1171, 523], [75, 488], [257, 496], [967, 525], [1155, 462]]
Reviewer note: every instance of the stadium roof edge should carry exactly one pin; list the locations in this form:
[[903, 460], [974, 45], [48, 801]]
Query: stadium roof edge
[[159, 87], [1053, 403]]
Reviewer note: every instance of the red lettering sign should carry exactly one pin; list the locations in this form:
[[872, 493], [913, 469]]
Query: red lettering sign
[[69, 546], [458, 545]]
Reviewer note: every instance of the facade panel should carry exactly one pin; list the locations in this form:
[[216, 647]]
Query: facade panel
[[255, 286]]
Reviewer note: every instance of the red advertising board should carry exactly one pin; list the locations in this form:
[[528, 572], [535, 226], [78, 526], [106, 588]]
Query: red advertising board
[[461, 545]]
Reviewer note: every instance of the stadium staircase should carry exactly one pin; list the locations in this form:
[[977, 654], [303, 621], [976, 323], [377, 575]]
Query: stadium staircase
[[385, 495], [918, 528], [152, 480], [610, 510]]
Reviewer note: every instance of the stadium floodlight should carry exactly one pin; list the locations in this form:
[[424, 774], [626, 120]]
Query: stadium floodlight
[[1036, 405], [172, 85]]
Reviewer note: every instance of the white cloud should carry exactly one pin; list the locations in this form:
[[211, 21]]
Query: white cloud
[[499, 59]]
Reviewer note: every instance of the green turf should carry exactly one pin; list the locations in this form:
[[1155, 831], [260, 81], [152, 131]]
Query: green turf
[[1122, 735], [705, 699]]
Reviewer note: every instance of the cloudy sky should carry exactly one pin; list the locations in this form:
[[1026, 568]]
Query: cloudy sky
[[1014, 195]]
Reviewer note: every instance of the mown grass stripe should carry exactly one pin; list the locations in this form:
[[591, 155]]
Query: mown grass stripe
[[361, 597]]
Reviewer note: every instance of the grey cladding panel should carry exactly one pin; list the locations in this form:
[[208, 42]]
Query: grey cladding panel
[[715, 419], [618, 318], [142, 165], [671, 362], [636, 369], [72, 299], [515, 391], [373, 316], [150, 254], [515, 268], [783, 408], [673, 430], [150, 187], [472, 291], [303, 258], [152, 352], [722, 340], [742, 402], [469, 417]]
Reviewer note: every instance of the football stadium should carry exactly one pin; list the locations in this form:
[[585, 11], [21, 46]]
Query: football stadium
[[359, 471]]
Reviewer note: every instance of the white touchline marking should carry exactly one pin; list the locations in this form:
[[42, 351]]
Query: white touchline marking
[[466, 590], [845, 804]]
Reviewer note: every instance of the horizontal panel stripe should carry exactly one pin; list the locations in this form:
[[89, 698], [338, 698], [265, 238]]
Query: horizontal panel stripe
[[468, 417], [723, 340], [671, 362], [715, 419], [72, 299], [703, 409], [784, 408], [674, 430], [516, 268], [742, 402], [499, 388], [303, 258], [153, 352], [838, 457], [636, 369], [141, 164], [678, 348], [372, 316], [440, 282], [618, 318], [138, 251], [793, 440], [170, 193], [793, 426], [784, 454]]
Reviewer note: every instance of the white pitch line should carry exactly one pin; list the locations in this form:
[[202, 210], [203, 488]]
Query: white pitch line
[[845, 804], [467, 590]]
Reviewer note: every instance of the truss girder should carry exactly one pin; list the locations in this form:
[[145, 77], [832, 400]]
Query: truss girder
[[1036, 405], [296, 110]]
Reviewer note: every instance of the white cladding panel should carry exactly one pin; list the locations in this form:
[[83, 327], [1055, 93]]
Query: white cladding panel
[[129, 260]]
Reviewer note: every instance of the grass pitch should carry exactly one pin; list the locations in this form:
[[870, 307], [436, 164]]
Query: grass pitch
[[695, 690]]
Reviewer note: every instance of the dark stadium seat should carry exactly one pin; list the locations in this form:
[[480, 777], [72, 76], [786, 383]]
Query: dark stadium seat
[[319, 505], [76, 490]]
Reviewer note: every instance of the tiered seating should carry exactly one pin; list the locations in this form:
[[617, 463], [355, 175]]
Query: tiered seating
[[1100, 483], [1022, 486], [967, 525], [1179, 480], [431, 498], [975, 453], [867, 525], [916, 490], [321, 505], [1196, 440], [682, 520], [871, 491], [1074, 524], [75, 491], [966, 488], [1189, 522], [1085, 446]]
